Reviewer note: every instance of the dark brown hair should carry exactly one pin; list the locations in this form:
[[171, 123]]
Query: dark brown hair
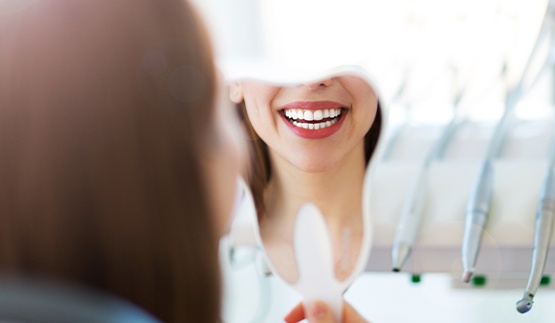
[[259, 173], [103, 109]]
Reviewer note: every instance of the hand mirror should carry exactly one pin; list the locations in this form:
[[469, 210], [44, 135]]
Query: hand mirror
[[312, 143]]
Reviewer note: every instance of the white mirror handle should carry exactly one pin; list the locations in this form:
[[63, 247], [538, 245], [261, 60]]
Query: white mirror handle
[[315, 261]]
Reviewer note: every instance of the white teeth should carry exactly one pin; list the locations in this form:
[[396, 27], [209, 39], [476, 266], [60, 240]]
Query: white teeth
[[318, 115], [298, 114], [314, 126]]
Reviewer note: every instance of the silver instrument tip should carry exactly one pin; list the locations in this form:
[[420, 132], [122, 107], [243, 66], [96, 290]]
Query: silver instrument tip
[[467, 274], [525, 304], [401, 252]]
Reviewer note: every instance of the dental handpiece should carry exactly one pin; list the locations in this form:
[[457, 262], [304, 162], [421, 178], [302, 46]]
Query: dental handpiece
[[411, 215], [479, 205], [477, 213], [409, 222], [542, 238], [544, 220]]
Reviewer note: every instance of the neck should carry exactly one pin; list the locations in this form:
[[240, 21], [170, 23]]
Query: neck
[[336, 191]]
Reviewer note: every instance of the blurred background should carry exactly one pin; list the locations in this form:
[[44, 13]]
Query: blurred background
[[433, 47], [424, 56]]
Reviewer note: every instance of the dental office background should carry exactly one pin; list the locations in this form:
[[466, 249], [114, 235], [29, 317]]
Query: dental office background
[[424, 55]]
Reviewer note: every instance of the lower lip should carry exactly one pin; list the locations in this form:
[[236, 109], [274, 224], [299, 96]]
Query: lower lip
[[315, 134]]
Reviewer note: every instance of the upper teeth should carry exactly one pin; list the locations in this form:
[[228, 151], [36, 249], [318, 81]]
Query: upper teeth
[[299, 114]]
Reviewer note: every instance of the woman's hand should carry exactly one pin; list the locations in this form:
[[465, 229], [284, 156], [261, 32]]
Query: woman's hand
[[320, 312]]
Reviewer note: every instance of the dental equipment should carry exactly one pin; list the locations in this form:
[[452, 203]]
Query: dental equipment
[[543, 226], [479, 203], [412, 212], [542, 234], [411, 215]]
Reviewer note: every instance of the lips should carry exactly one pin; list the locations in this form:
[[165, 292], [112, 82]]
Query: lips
[[313, 119]]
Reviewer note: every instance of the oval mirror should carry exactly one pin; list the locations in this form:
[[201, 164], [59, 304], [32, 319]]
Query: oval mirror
[[311, 144]]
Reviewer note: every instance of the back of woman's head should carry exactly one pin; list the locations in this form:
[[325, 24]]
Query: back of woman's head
[[104, 107]]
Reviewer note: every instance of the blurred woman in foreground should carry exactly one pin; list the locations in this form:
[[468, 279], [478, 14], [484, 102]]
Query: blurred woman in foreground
[[115, 171]]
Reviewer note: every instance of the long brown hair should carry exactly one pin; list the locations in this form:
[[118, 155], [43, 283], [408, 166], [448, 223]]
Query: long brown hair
[[259, 172], [103, 109]]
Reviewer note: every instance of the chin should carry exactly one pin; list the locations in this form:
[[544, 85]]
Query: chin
[[311, 164]]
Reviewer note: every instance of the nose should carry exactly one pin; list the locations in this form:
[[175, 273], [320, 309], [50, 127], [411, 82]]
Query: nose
[[319, 84]]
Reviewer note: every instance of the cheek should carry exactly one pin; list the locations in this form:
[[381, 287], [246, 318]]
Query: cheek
[[261, 120], [367, 114], [258, 102], [365, 98], [371, 118], [258, 109]]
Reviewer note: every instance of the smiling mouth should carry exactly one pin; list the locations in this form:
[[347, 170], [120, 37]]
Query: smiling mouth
[[313, 119]]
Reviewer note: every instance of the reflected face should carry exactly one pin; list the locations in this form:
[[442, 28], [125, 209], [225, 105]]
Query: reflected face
[[312, 126]]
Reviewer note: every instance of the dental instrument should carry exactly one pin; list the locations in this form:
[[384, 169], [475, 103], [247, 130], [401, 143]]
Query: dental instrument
[[411, 215], [543, 226], [412, 212], [479, 203], [542, 234]]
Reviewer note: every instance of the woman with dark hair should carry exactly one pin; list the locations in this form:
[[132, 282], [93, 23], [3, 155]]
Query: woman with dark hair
[[116, 170]]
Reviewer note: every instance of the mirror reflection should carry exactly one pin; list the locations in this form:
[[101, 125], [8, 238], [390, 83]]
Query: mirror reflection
[[309, 142], [429, 52]]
